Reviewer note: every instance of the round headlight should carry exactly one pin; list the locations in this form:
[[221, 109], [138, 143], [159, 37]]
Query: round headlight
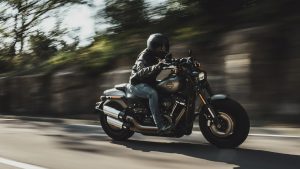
[[201, 76]]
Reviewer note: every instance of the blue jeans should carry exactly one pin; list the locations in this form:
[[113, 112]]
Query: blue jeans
[[145, 91]]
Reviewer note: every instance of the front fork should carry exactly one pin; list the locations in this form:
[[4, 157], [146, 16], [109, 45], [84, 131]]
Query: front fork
[[212, 115]]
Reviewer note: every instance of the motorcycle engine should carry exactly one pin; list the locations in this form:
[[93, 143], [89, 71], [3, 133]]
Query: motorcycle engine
[[143, 114], [168, 103]]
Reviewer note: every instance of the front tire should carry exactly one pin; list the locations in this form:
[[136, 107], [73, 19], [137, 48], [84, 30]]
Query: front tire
[[237, 123], [113, 132]]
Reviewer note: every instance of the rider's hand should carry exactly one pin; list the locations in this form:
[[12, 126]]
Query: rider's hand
[[162, 64]]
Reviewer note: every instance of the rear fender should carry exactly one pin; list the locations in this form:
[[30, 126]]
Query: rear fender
[[113, 95]]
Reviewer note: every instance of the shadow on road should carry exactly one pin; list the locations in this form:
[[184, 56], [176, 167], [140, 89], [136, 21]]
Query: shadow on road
[[93, 140], [243, 158]]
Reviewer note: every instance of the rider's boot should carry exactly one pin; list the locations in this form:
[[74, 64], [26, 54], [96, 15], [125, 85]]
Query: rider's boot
[[165, 128]]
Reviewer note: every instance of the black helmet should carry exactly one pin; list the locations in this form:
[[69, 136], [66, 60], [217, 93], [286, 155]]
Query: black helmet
[[160, 41]]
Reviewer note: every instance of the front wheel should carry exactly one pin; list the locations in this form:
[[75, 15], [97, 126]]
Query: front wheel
[[235, 128]]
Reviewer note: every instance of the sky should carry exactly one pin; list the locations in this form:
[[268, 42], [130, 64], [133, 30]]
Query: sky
[[81, 16]]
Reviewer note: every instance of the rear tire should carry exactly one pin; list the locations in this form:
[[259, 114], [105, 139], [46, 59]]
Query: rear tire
[[236, 115], [113, 132]]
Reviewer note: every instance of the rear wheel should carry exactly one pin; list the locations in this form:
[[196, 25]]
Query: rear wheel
[[114, 132], [235, 125]]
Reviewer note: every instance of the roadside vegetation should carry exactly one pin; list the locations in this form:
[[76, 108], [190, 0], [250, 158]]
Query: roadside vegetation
[[199, 22]]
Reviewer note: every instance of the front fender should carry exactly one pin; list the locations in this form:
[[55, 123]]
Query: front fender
[[213, 99], [218, 97]]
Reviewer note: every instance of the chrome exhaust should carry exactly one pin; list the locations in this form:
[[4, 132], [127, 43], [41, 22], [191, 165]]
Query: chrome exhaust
[[115, 118], [112, 112], [114, 122]]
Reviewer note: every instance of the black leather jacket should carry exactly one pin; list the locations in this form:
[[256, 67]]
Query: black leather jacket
[[145, 69]]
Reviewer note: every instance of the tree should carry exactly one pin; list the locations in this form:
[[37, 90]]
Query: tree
[[223, 8], [183, 8], [42, 46], [19, 17], [126, 14]]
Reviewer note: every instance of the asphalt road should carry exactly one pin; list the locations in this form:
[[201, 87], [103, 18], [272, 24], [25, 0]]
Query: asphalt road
[[30, 144]]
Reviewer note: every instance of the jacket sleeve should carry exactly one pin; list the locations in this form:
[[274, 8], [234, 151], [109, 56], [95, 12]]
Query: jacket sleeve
[[142, 72]]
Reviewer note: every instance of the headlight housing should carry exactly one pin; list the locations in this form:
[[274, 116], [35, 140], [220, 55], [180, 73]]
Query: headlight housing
[[201, 76]]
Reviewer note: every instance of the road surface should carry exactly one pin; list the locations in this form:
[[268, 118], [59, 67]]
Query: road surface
[[28, 144]]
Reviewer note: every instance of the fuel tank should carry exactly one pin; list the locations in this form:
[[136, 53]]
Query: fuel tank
[[170, 84]]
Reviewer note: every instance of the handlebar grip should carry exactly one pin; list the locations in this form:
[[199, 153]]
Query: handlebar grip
[[169, 67]]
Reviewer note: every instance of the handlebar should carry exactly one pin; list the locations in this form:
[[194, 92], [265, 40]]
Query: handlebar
[[169, 67], [173, 63]]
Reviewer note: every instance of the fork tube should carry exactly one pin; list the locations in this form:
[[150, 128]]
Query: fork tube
[[207, 105]]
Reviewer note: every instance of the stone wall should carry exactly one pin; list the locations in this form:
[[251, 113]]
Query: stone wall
[[63, 93]]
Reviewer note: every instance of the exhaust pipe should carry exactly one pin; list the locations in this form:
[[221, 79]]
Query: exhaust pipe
[[114, 122], [138, 127], [115, 118], [112, 112]]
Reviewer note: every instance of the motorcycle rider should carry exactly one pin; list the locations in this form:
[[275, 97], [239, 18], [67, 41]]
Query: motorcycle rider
[[144, 72]]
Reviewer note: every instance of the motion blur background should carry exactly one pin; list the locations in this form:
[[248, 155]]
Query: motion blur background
[[57, 56]]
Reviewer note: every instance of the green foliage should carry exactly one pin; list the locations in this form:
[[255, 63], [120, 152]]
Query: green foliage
[[186, 33], [182, 8], [21, 16], [42, 46], [200, 22], [89, 59], [126, 14], [5, 64]]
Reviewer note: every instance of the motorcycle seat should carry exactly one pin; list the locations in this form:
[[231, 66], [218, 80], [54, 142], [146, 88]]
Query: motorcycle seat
[[125, 87]]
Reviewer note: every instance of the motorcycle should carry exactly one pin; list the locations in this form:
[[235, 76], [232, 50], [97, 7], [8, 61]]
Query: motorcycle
[[183, 95]]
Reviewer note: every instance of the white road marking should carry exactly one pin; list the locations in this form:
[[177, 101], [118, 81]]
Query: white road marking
[[274, 135], [263, 135], [88, 125], [18, 164], [98, 134]]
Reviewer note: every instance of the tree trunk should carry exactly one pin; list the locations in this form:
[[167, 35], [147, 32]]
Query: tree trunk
[[12, 50]]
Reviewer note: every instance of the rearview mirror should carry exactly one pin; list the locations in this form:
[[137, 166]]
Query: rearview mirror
[[168, 57]]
